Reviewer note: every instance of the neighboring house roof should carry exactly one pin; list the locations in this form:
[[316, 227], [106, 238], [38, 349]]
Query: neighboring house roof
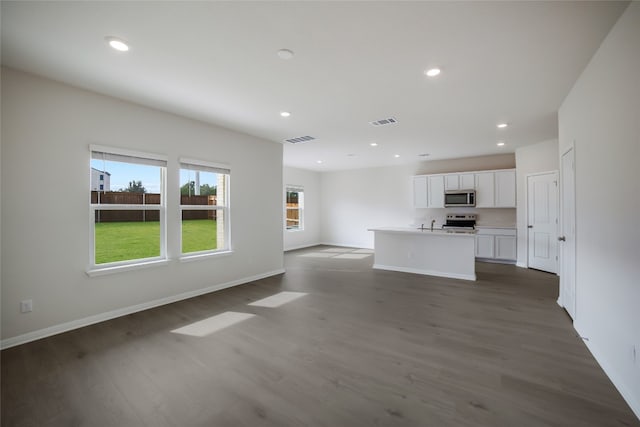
[[98, 170]]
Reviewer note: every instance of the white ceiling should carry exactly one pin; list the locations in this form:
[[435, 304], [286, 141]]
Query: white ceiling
[[354, 62]]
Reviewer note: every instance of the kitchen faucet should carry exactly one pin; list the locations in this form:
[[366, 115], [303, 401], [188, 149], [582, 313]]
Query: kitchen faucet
[[433, 221]]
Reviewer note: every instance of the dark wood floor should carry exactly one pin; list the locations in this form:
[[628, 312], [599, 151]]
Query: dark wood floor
[[363, 348]]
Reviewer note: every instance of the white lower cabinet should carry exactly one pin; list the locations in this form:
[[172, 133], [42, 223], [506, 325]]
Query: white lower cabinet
[[484, 246], [497, 244], [505, 247]]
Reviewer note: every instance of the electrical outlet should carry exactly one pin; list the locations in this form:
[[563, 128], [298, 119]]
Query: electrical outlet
[[26, 306]]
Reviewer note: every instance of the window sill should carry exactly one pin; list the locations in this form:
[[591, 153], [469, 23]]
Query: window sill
[[101, 271], [208, 255], [297, 230]]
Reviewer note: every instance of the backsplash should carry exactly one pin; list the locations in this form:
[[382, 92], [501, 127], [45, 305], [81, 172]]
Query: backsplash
[[499, 217]]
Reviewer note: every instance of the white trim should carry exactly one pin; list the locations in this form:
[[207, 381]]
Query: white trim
[[618, 381], [497, 260], [201, 207], [425, 272], [197, 256], [117, 207], [79, 323], [119, 267], [522, 265]]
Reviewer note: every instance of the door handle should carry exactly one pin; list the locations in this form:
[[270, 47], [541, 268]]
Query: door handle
[[562, 239], [529, 226]]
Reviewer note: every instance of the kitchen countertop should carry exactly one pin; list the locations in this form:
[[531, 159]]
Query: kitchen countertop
[[509, 227], [426, 231]]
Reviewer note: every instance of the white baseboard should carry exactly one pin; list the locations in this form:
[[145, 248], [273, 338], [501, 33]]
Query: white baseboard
[[522, 265], [617, 380], [496, 261], [426, 272], [79, 323]]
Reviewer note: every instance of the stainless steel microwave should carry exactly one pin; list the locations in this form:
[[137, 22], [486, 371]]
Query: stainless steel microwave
[[454, 198]]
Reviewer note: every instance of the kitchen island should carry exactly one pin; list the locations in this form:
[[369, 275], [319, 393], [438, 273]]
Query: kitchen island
[[422, 251]]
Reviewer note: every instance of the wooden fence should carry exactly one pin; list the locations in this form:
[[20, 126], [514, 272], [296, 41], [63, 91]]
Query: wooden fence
[[293, 215], [106, 198]]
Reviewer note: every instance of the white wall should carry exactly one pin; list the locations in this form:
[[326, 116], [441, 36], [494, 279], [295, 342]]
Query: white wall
[[541, 157], [310, 181], [601, 116], [356, 200], [48, 126]]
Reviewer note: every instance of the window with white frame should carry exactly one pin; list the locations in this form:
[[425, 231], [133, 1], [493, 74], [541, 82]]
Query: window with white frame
[[128, 222], [204, 207], [294, 208]]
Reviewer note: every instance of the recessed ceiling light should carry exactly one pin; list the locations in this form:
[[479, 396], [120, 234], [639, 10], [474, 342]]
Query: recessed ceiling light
[[500, 143], [285, 113], [432, 72], [318, 161], [502, 125], [396, 155], [351, 155], [285, 54], [374, 144], [117, 44]]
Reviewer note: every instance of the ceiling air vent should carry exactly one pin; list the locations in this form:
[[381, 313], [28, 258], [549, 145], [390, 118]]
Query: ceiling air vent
[[299, 139], [384, 122]]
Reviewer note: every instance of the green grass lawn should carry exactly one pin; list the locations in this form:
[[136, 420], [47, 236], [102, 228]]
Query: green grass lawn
[[199, 235], [121, 241]]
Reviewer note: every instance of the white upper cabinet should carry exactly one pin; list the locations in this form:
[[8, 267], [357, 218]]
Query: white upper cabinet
[[467, 181], [505, 189], [435, 191], [485, 189], [494, 189], [420, 191], [451, 182], [459, 181]]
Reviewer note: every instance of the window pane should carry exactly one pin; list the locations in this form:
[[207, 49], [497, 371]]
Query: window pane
[[203, 230], [197, 183], [128, 178], [200, 230], [294, 205], [126, 235]]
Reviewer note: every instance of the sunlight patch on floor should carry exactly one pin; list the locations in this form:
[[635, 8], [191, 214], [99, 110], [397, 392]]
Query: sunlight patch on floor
[[339, 253], [278, 299], [213, 324], [317, 255], [352, 256]]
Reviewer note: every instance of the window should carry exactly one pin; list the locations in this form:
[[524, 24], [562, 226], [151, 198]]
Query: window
[[204, 207], [128, 223], [101, 177], [295, 208]]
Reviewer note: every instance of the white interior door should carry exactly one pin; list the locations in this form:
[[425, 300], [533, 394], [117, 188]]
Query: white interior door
[[567, 237], [542, 217]]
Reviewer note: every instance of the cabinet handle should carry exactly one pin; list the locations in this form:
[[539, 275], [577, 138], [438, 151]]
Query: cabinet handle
[[529, 226], [562, 239]]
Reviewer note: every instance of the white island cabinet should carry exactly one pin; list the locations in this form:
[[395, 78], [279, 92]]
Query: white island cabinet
[[434, 253]]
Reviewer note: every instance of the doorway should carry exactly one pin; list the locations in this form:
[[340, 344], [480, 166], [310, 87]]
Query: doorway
[[542, 221]]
